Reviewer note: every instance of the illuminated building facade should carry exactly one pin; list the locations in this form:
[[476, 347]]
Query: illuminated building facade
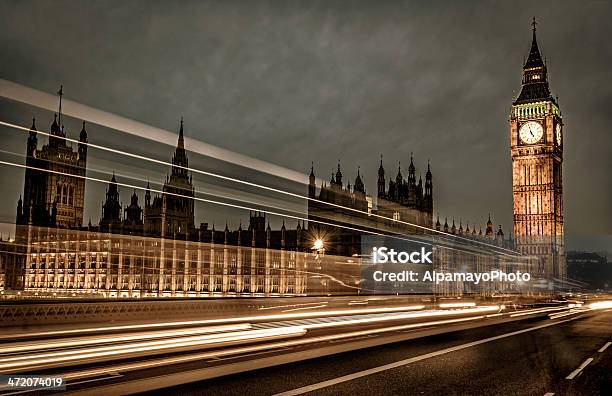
[[536, 147], [155, 251], [404, 200]]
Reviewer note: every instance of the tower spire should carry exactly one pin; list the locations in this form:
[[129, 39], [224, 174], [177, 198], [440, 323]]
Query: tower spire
[[534, 59], [60, 93], [181, 139]]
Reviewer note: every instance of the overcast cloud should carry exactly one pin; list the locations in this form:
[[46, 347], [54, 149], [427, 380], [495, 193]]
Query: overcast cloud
[[293, 82]]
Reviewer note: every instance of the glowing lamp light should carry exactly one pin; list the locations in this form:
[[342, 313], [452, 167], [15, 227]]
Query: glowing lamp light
[[318, 244], [601, 305]]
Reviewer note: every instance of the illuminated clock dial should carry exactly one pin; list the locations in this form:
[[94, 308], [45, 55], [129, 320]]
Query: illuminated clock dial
[[531, 132], [558, 134]]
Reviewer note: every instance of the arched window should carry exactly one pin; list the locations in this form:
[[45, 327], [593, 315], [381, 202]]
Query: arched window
[[64, 195], [70, 192]]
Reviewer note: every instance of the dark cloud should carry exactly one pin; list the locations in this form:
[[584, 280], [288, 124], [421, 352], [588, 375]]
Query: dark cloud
[[291, 82]]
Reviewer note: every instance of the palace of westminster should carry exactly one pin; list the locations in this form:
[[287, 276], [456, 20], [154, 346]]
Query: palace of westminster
[[156, 249]]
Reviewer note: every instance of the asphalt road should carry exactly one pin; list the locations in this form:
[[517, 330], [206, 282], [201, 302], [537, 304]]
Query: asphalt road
[[535, 361]]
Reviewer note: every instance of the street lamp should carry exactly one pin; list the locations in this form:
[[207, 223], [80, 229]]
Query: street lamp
[[318, 249]]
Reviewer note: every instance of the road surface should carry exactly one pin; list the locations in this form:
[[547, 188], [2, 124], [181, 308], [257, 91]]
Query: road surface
[[536, 361]]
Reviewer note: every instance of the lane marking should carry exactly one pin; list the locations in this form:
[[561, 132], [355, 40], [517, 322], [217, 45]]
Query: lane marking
[[603, 348], [548, 394], [574, 373], [400, 363]]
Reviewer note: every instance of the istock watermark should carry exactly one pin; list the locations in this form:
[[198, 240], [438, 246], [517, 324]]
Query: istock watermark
[[424, 264], [385, 255]]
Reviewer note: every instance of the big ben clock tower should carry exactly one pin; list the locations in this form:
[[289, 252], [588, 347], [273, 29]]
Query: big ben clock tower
[[536, 146]]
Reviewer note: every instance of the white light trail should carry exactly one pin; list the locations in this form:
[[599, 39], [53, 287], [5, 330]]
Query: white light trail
[[539, 310], [201, 199], [82, 355], [227, 178], [398, 316], [254, 348], [47, 344], [271, 317], [458, 305], [600, 305], [562, 314], [399, 236], [34, 97]]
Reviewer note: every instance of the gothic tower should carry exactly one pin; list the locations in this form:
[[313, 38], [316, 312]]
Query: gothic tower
[[111, 209], [536, 147], [54, 188], [172, 214]]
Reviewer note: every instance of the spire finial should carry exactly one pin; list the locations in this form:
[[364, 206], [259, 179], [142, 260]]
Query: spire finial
[[60, 93], [533, 24], [181, 143]]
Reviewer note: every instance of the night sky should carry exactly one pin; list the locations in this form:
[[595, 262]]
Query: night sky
[[295, 82]]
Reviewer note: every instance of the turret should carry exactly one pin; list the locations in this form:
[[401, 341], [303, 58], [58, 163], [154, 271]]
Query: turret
[[133, 213], [83, 144], [359, 187], [339, 176], [412, 187], [179, 160], [399, 182], [489, 233], [148, 196], [419, 194], [32, 140], [312, 188], [381, 179], [428, 198], [111, 209], [283, 235], [411, 172], [500, 234]]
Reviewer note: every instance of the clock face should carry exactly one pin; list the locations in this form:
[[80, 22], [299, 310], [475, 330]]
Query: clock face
[[558, 134], [531, 132]]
